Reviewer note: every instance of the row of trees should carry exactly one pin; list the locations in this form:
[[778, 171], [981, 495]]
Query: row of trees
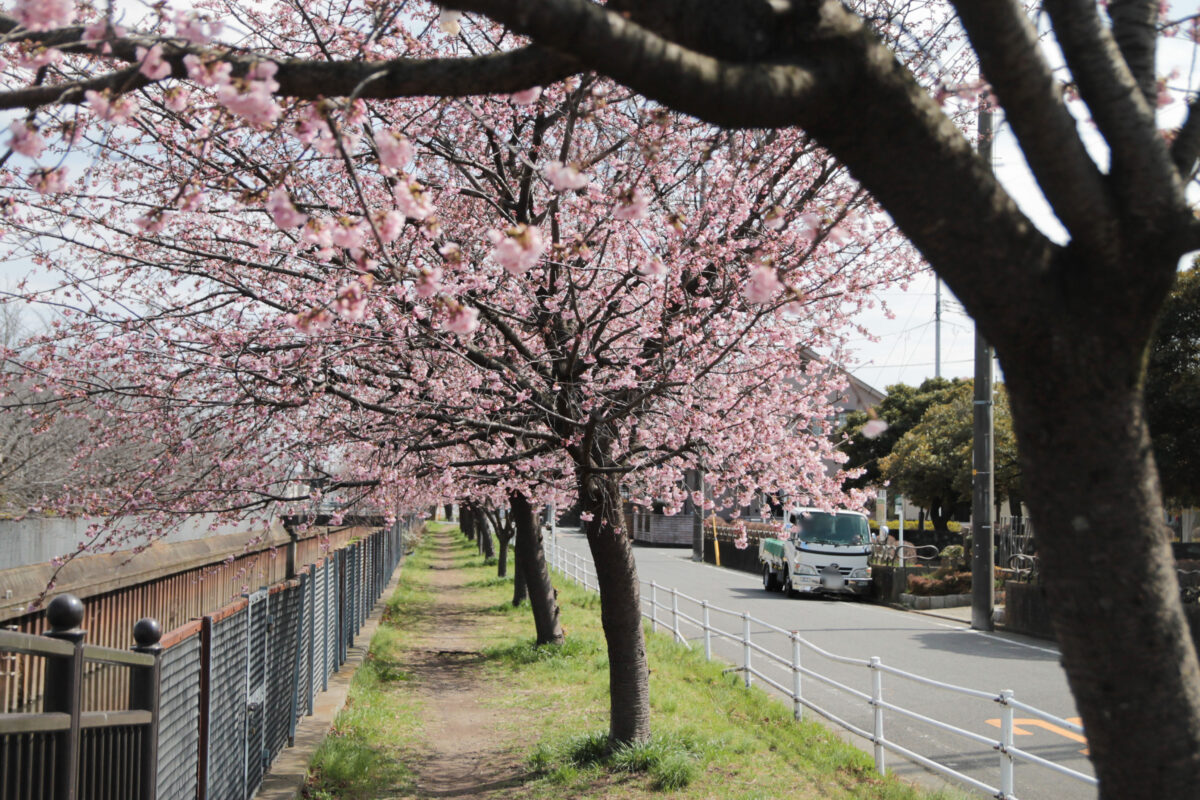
[[501, 300], [281, 122]]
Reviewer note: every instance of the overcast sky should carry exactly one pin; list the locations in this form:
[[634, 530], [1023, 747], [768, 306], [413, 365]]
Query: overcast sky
[[905, 352]]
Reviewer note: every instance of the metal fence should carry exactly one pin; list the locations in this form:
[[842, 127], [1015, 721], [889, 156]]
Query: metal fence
[[669, 609], [228, 689]]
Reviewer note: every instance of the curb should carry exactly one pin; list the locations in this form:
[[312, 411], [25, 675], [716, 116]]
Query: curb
[[288, 773]]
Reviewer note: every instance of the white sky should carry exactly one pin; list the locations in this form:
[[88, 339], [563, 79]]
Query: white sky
[[905, 352]]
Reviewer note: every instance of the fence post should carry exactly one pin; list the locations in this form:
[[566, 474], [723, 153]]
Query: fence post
[[877, 703], [707, 630], [797, 706], [746, 646], [64, 688], [653, 607], [675, 614], [1006, 743], [145, 693]]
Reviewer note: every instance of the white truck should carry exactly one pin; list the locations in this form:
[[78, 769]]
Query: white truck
[[825, 551]]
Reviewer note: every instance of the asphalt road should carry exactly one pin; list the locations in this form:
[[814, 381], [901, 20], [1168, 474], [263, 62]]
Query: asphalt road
[[943, 650]]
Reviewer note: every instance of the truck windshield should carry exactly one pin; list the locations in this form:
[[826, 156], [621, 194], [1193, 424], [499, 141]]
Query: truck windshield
[[821, 527]]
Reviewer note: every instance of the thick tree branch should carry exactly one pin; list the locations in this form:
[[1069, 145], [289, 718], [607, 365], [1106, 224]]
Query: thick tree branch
[[1135, 30], [1012, 60], [1145, 181], [1186, 147], [845, 87], [305, 80]]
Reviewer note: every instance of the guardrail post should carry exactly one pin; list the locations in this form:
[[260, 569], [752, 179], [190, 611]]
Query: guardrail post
[[675, 614], [144, 694], [707, 630], [746, 646], [1006, 743], [877, 703], [797, 706], [64, 689], [653, 607]]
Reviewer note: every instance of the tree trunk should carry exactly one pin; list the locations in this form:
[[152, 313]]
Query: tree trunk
[[1108, 571], [519, 590], [531, 562], [502, 558], [486, 547], [620, 610], [466, 521]]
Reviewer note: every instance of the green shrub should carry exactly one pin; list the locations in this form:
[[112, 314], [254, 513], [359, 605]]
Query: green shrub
[[911, 525]]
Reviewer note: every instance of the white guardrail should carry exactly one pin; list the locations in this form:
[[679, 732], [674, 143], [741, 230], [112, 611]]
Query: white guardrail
[[580, 570]]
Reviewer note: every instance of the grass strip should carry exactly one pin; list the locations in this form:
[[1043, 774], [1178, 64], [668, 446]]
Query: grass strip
[[712, 737]]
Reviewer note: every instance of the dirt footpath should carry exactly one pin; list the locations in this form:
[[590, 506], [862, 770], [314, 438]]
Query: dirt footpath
[[467, 749]]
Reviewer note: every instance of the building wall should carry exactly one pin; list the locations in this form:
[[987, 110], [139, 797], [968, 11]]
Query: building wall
[[37, 540]]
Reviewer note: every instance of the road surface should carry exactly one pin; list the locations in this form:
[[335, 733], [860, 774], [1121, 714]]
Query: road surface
[[944, 650]]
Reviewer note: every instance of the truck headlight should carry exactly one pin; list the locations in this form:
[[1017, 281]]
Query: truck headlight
[[862, 573], [805, 569]]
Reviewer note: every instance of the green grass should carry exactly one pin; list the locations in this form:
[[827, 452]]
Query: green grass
[[712, 737]]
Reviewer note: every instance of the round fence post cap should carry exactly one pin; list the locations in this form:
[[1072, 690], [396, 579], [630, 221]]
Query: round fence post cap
[[147, 632], [65, 613]]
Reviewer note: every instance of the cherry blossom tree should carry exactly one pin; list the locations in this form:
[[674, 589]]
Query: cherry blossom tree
[[562, 283], [1070, 319]]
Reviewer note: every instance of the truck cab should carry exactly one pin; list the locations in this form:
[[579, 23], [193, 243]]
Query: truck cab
[[818, 552]]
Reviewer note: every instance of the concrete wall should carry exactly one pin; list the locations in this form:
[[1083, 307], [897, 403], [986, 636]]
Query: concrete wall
[[37, 540]]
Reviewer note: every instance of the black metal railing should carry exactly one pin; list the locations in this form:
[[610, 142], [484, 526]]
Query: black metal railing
[[205, 708], [65, 753]]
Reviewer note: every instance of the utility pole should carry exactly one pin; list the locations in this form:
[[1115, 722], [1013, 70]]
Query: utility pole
[[937, 327], [983, 594]]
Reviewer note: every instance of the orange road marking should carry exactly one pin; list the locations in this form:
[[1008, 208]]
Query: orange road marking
[[1047, 726]]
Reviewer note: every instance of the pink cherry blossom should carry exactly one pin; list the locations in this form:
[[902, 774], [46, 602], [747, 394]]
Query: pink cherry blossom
[[317, 233], [632, 204], [216, 73], [653, 268], [390, 224], [253, 100], [193, 201], [526, 97], [774, 219], [564, 178], [25, 139], [153, 66], [310, 321], [450, 22], [118, 111], [195, 29], [462, 320], [763, 285], [412, 200], [351, 301], [517, 249], [347, 232], [44, 15], [430, 282], [176, 98], [49, 181], [873, 428], [280, 207], [394, 149], [38, 57]]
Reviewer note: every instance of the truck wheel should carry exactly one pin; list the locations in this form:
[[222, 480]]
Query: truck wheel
[[788, 591], [770, 580]]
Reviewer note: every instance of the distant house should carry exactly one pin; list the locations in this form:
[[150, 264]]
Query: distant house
[[652, 526]]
